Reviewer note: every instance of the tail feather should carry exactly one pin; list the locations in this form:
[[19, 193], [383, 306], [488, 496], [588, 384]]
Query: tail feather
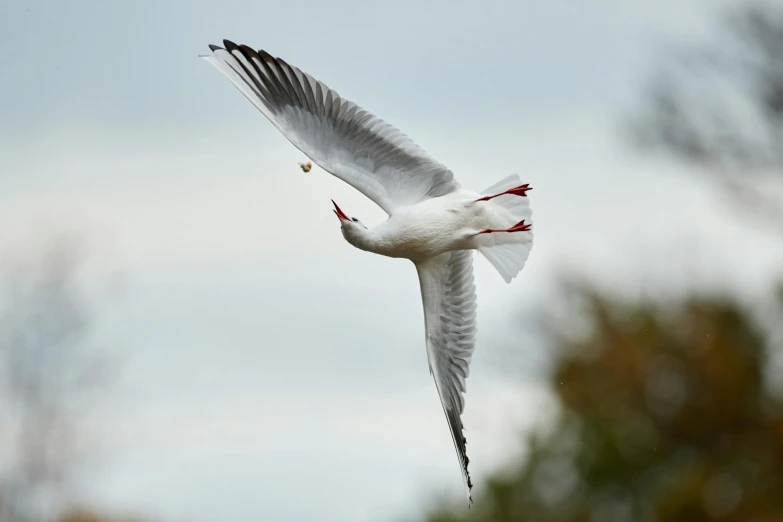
[[509, 257], [518, 206], [502, 185]]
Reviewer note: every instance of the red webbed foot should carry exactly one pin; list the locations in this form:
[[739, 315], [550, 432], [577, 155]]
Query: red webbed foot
[[519, 227], [516, 191]]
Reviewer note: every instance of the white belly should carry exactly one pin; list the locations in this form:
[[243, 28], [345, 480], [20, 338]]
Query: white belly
[[437, 225]]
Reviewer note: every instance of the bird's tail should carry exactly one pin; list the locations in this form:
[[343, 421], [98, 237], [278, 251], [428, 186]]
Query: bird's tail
[[508, 252]]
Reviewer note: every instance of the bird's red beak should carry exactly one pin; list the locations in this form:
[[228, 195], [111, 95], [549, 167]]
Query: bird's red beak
[[340, 213]]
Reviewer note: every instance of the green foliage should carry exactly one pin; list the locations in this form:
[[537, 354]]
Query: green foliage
[[666, 417], [87, 515]]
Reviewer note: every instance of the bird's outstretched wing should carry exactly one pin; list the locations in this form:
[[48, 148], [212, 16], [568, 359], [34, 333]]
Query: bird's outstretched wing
[[449, 297], [344, 139]]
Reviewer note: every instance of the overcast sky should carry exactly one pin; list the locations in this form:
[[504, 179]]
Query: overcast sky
[[271, 371]]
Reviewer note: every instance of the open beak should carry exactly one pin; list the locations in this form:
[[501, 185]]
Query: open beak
[[340, 213]]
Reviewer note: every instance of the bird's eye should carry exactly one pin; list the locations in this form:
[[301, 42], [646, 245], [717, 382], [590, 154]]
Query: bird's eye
[[354, 220]]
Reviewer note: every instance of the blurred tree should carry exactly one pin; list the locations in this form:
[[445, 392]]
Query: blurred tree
[[719, 107], [666, 417], [48, 374], [87, 515]]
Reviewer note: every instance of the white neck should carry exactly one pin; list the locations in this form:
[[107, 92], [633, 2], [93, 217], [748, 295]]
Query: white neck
[[362, 238]]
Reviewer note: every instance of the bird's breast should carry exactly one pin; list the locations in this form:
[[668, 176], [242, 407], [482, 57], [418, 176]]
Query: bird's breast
[[423, 234]]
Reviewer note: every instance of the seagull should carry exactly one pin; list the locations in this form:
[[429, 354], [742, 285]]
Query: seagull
[[432, 221]]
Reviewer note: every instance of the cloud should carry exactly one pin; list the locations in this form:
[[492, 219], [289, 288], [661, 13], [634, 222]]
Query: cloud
[[136, 67], [280, 444]]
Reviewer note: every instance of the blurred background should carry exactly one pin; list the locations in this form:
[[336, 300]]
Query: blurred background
[[184, 335]]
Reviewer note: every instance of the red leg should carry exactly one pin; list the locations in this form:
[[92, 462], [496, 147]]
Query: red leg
[[516, 191], [519, 227]]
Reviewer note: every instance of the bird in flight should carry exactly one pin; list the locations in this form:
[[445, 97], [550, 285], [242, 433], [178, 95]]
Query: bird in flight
[[432, 221]]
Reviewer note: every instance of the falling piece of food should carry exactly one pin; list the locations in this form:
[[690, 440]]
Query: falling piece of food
[[306, 166]]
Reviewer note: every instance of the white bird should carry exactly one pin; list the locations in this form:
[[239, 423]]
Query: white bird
[[432, 220]]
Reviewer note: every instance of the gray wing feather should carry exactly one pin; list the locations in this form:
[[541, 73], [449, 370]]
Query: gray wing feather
[[449, 297], [344, 139]]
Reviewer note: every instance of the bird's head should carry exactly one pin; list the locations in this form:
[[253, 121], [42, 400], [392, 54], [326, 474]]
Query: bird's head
[[351, 227]]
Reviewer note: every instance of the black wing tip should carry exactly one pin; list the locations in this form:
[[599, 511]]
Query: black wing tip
[[266, 56], [470, 487], [230, 46], [459, 434], [245, 49]]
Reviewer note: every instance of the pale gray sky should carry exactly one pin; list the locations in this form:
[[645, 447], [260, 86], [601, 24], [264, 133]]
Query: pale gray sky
[[274, 372]]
